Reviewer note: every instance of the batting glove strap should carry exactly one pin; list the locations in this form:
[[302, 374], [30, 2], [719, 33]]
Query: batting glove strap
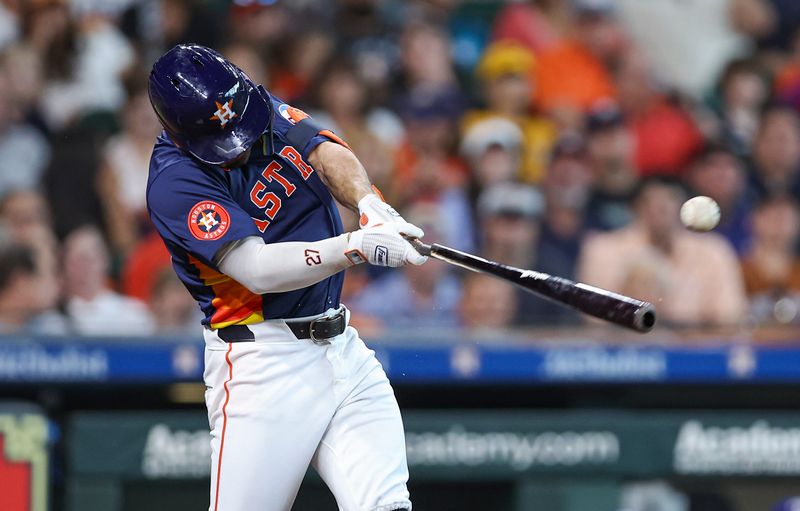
[[374, 211], [385, 245]]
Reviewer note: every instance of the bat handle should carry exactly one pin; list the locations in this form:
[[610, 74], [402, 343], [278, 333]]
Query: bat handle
[[419, 246]]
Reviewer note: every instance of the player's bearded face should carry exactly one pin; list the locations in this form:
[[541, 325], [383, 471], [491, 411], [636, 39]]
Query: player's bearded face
[[239, 160]]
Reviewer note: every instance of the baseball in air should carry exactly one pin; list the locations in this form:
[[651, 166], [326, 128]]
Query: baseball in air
[[700, 213]]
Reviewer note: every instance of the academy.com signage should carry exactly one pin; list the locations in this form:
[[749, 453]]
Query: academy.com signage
[[453, 445], [176, 453], [517, 450], [758, 448]]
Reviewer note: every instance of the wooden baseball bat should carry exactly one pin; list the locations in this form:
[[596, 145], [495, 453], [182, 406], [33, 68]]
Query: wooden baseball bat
[[612, 307]]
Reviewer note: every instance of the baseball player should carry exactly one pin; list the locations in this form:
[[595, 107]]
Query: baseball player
[[242, 190]]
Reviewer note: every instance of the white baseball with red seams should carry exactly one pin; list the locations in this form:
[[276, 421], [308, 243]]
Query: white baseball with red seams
[[700, 213], [349, 428]]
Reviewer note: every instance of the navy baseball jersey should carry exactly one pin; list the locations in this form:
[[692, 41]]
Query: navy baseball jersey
[[198, 208]]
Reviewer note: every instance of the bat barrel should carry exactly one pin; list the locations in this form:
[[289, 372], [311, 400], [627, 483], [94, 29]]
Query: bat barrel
[[600, 303]]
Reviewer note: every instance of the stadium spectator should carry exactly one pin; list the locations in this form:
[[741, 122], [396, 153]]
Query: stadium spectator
[[83, 60], [509, 217], [427, 64], [360, 21], [534, 24], [719, 174], [49, 33], [786, 14], [300, 64], [426, 170], [92, 307], [572, 75], [26, 303], [257, 24], [370, 33], [776, 152], [492, 148], [507, 83], [24, 77], [70, 180], [428, 86], [610, 146], [665, 136], [771, 267], [487, 305], [173, 309], [787, 73], [423, 296], [25, 217], [373, 133], [143, 265], [351, 109], [688, 44], [24, 151], [694, 279], [9, 23], [122, 178], [248, 60], [566, 190], [741, 94], [160, 24]]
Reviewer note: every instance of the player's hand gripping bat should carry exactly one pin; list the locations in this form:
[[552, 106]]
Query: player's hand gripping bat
[[615, 308]]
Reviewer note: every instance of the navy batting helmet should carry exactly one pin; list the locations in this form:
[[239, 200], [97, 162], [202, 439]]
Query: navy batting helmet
[[208, 106]]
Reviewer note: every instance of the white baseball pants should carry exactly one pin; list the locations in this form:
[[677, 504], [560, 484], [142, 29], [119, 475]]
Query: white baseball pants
[[278, 404]]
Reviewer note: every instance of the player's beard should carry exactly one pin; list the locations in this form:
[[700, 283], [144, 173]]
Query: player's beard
[[239, 160]]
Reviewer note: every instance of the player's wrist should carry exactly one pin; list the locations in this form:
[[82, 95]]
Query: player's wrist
[[384, 245], [367, 201], [373, 210], [353, 248]]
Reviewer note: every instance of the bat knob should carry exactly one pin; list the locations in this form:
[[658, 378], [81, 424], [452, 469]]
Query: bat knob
[[644, 319]]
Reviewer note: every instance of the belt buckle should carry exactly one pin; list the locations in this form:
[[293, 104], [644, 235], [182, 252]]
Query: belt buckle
[[314, 339]]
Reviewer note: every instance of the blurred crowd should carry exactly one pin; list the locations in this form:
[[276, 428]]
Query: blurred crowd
[[559, 135]]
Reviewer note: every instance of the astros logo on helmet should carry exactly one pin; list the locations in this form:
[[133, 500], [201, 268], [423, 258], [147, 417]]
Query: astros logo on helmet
[[224, 113]]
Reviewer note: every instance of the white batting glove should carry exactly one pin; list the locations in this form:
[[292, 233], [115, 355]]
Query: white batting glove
[[372, 210], [384, 245]]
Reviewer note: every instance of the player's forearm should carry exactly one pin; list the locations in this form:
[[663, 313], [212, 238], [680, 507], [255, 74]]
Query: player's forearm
[[280, 267], [342, 173]]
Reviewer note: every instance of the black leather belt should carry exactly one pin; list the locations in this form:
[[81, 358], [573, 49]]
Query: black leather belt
[[319, 330]]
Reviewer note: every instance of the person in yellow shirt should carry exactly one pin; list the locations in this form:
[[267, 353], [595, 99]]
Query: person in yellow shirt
[[506, 72]]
